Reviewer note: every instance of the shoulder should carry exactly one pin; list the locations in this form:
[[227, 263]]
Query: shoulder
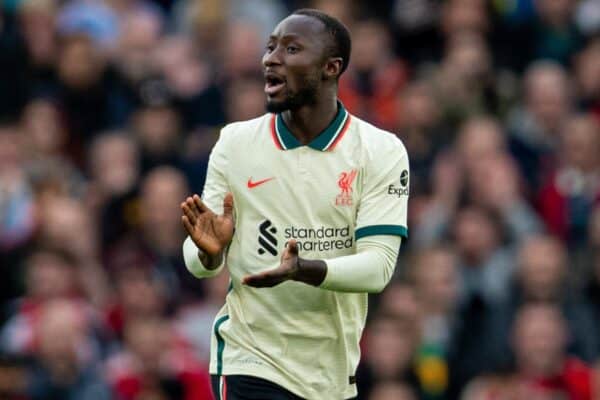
[[377, 142]]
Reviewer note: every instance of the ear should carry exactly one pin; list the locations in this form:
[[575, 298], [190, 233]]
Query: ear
[[333, 68]]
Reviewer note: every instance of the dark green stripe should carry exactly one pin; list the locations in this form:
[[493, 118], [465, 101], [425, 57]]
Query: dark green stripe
[[220, 344], [371, 230], [230, 287], [321, 141], [288, 140], [318, 143]]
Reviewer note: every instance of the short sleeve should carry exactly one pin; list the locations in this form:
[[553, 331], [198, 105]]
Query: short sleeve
[[384, 198]]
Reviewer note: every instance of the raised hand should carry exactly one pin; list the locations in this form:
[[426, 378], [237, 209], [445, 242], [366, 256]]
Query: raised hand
[[209, 231]]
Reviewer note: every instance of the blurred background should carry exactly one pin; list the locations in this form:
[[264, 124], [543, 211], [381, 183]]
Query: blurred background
[[108, 112]]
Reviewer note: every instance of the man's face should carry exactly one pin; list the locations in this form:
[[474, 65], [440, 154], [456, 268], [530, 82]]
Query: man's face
[[539, 339], [293, 63]]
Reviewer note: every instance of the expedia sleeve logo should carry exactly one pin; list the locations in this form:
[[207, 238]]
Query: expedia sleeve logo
[[401, 190], [267, 242]]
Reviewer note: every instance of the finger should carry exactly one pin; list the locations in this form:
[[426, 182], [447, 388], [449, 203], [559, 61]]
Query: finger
[[189, 214], [192, 206], [292, 247], [265, 279], [200, 204], [228, 205], [258, 281], [187, 225]]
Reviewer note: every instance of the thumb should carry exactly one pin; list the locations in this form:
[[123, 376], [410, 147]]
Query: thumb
[[292, 247], [228, 205]]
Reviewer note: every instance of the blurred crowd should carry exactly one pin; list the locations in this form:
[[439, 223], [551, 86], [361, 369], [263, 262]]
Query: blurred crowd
[[108, 112]]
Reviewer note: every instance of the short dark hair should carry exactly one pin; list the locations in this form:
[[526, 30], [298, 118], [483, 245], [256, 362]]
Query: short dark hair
[[342, 44]]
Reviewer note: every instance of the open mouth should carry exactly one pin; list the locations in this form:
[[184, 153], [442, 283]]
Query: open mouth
[[273, 84]]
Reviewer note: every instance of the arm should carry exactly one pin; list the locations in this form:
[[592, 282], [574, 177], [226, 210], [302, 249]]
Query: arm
[[209, 221], [369, 270]]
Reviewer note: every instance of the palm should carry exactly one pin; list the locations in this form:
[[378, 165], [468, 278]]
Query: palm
[[209, 231], [286, 270]]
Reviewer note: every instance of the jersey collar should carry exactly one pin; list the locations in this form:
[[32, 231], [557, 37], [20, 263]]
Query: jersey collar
[[325, 141]]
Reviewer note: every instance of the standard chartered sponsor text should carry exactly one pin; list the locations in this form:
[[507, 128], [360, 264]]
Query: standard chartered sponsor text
[[320, 239]]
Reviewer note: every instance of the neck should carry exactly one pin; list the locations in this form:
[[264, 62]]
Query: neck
[[307, 122]]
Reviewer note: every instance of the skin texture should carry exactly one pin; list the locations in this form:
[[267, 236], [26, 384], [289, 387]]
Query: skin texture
[[210, 232], [297, 55]]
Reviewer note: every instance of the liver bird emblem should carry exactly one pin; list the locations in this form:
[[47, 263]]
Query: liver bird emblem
[[346, 180]]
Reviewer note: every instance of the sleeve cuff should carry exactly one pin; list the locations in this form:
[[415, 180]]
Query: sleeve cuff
[[396, 230], [193, 263]]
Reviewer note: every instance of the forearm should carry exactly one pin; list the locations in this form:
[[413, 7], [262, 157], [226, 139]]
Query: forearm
[[200, 264], [369, 270]]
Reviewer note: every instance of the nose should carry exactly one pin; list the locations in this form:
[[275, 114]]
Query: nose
[[271, 58]]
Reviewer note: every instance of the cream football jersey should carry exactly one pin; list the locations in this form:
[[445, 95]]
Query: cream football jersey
[[350, 182]]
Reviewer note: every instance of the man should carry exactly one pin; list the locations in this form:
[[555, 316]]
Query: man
[[308, 202]]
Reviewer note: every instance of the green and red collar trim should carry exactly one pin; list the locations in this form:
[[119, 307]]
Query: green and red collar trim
[[325, 141]]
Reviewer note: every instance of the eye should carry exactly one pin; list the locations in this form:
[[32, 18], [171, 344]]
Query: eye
[[292, 49], [270, 47]]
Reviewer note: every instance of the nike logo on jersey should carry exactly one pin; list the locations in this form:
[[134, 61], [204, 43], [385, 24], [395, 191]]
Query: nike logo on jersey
[[252, 185]]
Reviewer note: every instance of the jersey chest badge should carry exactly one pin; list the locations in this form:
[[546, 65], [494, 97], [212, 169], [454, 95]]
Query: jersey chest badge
[[345, 183]]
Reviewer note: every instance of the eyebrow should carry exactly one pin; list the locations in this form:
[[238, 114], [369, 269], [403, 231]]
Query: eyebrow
[[286, 36]]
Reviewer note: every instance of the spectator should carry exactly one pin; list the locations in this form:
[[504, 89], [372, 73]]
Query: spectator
[[66, 225], [190, 79], [388, 352], [139, 294], [16, 198], [587, 74], [436, 283], [17, 211], [37, 23], [49, 276], [416, 36], [152, 366], [114, 169], [421, 130], [542, 276], [495, 217], [114, 164], [464, 16], [535, 125], [43, 130], [375, 76], [542, 367], [160, 233], [157, 126], [571, 191], [592, 286], [556, 36], [392, 391], [399, 299], [464, 82], [587, 17], [65, 353]]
